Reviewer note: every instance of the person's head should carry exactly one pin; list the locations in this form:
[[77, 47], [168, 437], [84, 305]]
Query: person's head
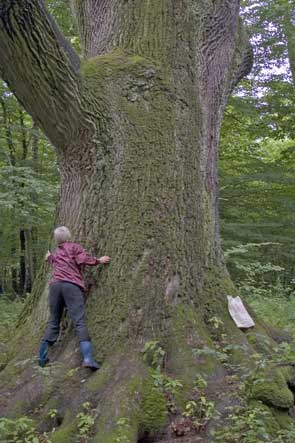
[[61, 234]]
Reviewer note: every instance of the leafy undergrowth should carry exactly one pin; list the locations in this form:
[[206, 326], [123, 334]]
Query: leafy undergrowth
[[21, 430], [250, 424], [9, 312], [264, 286], [275, 310]]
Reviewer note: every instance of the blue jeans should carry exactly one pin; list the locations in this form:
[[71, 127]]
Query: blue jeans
[[65, 294]]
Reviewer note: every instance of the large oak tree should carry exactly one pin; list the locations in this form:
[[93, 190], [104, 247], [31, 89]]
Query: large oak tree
[[135, 122]]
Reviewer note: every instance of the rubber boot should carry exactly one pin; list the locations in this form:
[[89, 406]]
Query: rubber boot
[[88, 361], [43, 357]]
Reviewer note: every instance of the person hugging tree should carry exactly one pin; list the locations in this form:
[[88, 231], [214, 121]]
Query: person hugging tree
[[67, 290]]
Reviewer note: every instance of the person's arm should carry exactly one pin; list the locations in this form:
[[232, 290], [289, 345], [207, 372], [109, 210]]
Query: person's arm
[[83, 258], [49, 257]]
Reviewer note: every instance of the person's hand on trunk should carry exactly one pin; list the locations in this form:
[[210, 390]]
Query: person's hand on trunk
[[104, 260], [47, 255]]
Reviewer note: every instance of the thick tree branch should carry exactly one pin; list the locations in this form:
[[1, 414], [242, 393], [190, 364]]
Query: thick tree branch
[[243, 61], [40, 67]]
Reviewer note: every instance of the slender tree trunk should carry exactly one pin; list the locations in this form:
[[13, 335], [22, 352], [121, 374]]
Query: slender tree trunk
[[12, 161], [33, 234], [289, 30], [23, 134], [24, 263], [9, 138]]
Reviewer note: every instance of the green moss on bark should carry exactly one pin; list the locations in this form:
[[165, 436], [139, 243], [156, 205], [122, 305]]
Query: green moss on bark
[[100, 379], [272, 389], [112, 63], [153, 412], [65, 433]]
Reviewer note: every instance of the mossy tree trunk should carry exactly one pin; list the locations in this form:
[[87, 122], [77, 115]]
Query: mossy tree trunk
[[136, 126], [136, 131]]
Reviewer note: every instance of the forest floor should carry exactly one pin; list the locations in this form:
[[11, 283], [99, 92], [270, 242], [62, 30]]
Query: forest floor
[[217, 402]]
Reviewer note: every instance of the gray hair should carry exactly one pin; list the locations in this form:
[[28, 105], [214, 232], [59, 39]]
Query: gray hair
[[62, 234]]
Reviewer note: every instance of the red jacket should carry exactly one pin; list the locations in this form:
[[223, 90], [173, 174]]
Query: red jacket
[[68, 261]]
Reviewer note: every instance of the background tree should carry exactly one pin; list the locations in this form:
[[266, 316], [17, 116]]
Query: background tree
[[29, 188], [256, 156], [27, 197]]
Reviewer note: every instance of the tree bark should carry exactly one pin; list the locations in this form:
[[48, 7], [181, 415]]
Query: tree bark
[[44, 75], [136, 130], [33, 232], [23, 264], [12, 161], [289, 31], [9, 138]]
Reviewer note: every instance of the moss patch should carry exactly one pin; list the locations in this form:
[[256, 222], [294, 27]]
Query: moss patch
[[272, 389], [153, 409], [125, 432], [99, 379], [65, 433]]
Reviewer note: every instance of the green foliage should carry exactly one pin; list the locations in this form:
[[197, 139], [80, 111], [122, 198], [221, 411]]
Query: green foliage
[[60, 9], [9, 312], [210, 352], [52, 413], [123, 431], [257, 199], [252, 424], [274, 308], [153, 409], [28, 183], [200, 382], [201, 411], [86, 420], [254, 277], [285, 436], [199, 408], [284, 353], [216, 322], [21, 430], [28, 193], [166, 383], [153, 354], [246, 425], [261, 285], [161, 391], [256, 163]]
